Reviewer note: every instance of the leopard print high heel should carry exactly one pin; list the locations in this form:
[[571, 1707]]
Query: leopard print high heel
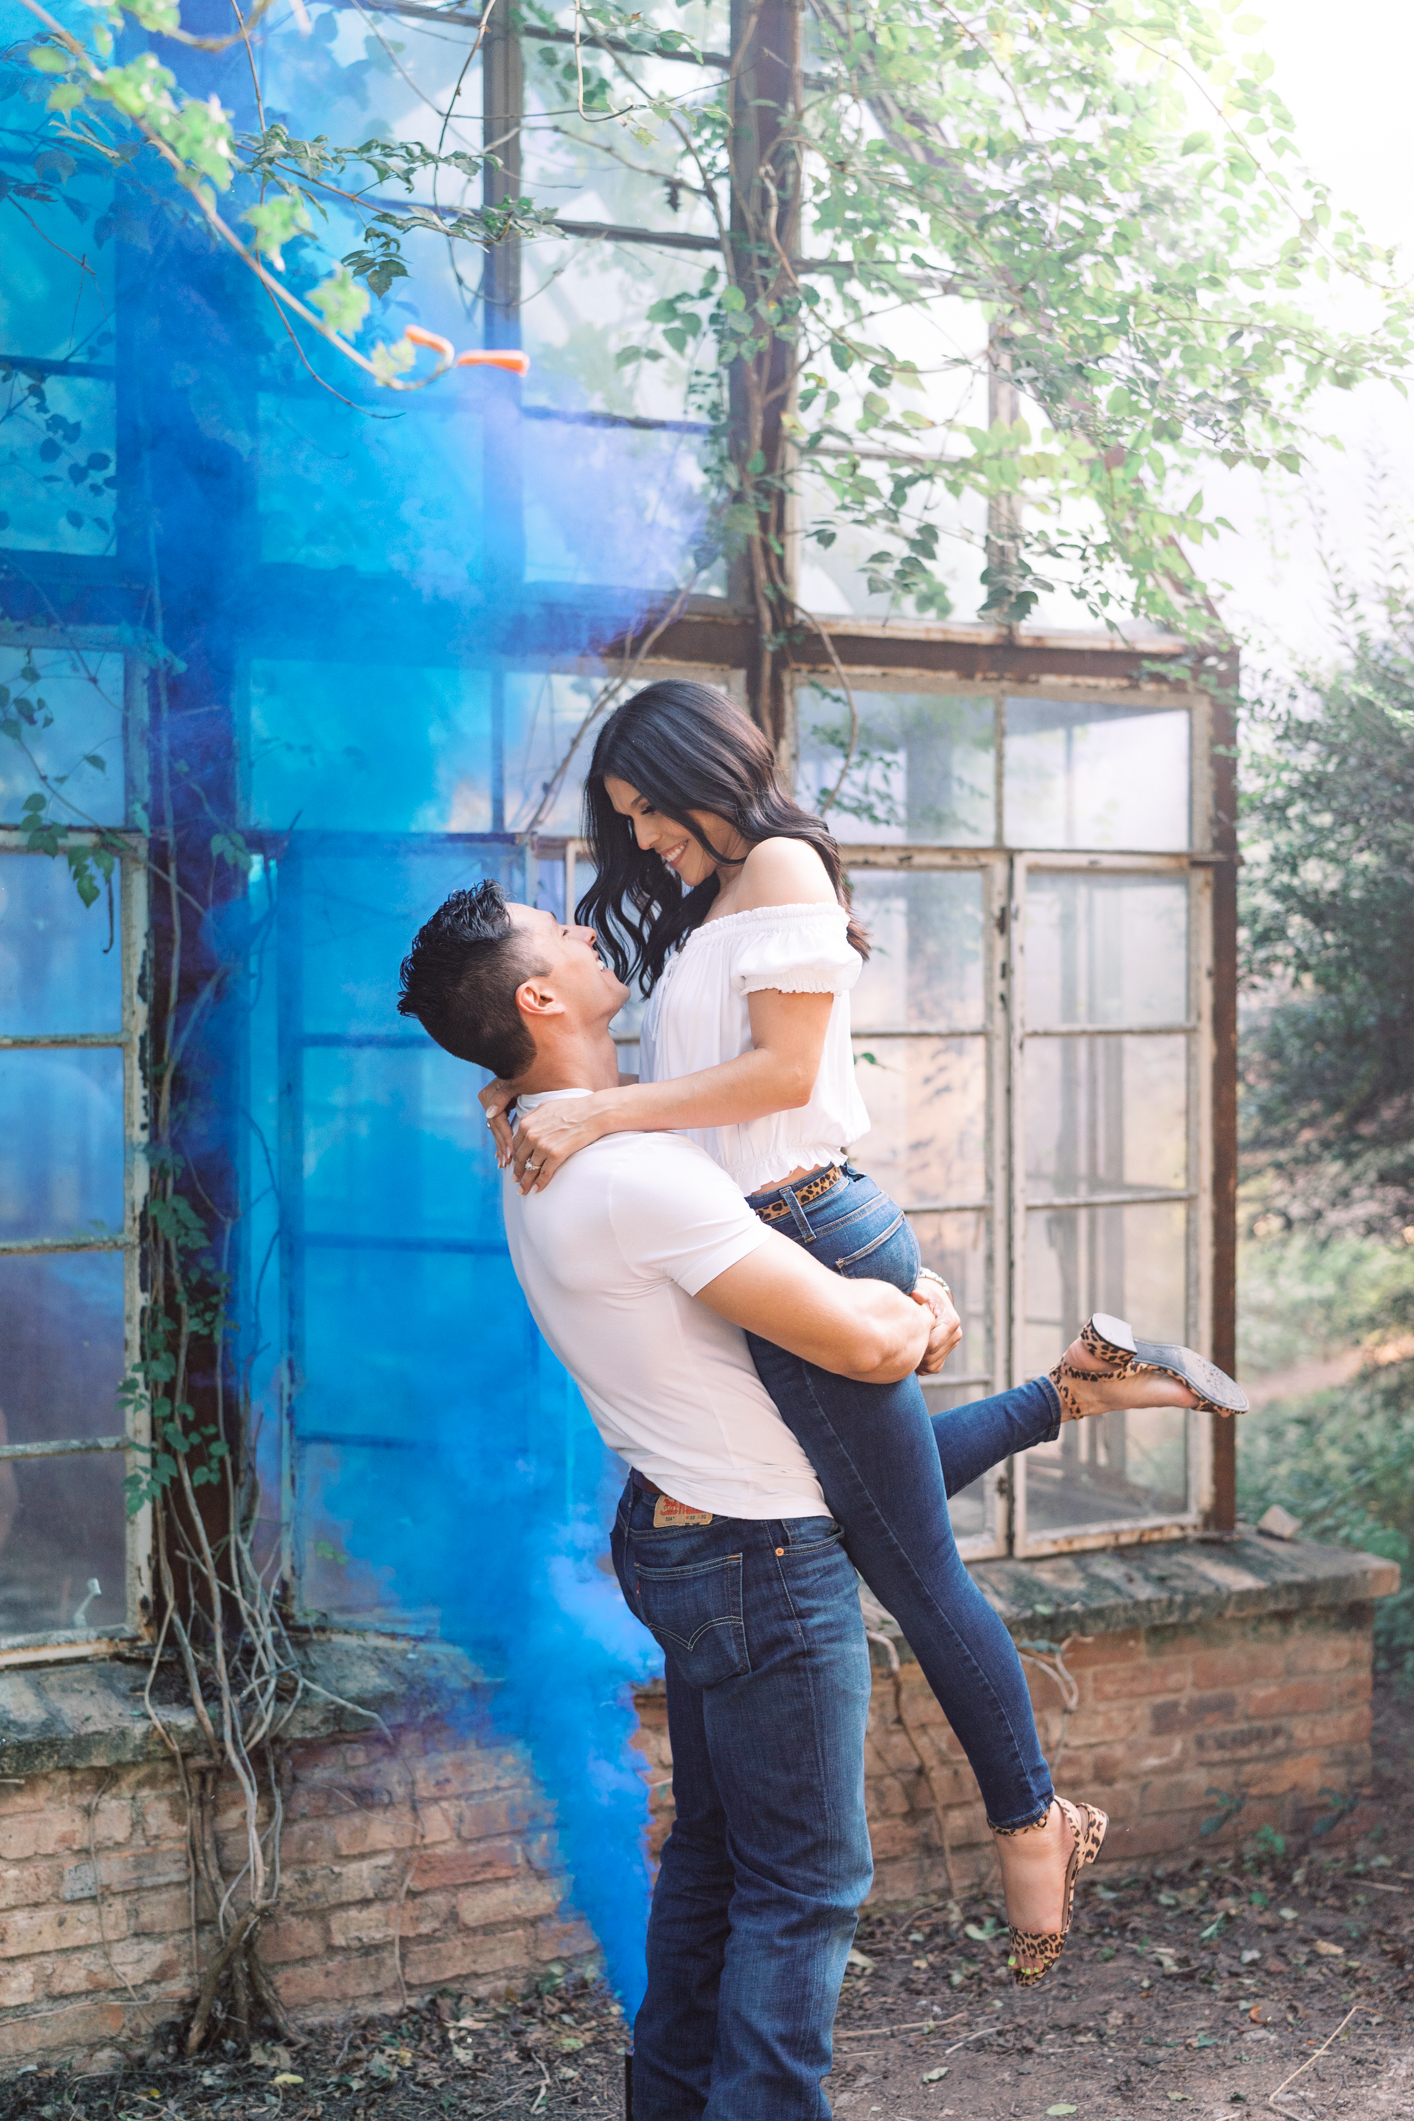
[[1111, 1341], [1088, 1825]]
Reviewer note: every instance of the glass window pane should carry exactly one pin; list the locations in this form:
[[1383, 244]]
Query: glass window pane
[[1105, 1115], [925, 968], [61, 1533], [61, 1329], [357, 916], [61, 1144], [327, 747], [922, 769], [61, 966], [1132, 1262], [82, 746], [396, 1146], [1083, 775], [958, 1248], [1106, 949], [1110, 1469], [927, 1102], [1129, 1261]]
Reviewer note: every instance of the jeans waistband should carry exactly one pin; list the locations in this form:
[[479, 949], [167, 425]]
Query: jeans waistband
[[774, 1204]]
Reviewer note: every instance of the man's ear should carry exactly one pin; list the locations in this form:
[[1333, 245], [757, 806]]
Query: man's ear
[[536, 998]]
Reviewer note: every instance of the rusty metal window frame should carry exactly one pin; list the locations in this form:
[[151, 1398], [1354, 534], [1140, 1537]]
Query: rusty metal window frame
[[53, 1644]]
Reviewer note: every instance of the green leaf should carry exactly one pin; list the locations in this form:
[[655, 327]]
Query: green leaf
[[277, 222], [49, 59], [343, 302]]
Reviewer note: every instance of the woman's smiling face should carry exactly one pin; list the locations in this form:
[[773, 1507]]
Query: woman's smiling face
[[669, 839]]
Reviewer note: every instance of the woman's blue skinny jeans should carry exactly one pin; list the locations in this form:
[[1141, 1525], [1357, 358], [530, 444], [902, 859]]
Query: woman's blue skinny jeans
[[887, 1468]]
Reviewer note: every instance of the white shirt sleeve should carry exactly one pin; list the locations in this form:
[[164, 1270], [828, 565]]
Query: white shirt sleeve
[[676, 1215], [795, 950]]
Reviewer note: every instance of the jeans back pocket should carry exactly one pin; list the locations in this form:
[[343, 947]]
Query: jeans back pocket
[[695, 1615], [892, 1254]]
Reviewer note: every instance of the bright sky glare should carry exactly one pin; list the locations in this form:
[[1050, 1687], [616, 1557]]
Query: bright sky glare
[[1346, 79]]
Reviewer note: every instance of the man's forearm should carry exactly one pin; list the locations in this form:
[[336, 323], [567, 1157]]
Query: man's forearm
[[897, 1331]]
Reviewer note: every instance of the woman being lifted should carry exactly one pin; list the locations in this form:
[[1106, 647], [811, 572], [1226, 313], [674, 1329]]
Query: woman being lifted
[[726, 902]]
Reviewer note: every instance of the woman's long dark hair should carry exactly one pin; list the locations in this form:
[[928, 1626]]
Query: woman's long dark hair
[[683, 747]]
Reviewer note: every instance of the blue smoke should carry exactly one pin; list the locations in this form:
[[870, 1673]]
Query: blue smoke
[[380, 615]]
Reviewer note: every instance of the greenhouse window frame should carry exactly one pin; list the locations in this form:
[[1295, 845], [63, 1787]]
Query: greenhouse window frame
[[51, 1644]]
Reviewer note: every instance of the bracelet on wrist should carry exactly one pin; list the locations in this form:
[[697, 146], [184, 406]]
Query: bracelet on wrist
[[927, 1274]]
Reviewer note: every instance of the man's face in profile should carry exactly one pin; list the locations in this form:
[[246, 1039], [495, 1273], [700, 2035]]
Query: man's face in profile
[[573, 968]]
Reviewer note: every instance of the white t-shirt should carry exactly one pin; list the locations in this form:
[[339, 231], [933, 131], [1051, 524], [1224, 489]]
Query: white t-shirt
[[698, 1016], [610, 1257]]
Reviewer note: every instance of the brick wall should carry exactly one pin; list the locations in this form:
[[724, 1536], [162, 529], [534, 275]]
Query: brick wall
[[1275, 1710], [426, 1860], [406, 1869]]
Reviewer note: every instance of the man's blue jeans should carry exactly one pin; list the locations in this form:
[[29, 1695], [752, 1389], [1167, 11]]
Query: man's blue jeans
[[754, 1908]]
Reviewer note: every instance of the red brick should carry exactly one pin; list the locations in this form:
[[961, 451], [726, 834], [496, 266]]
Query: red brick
[[1290, 1697], [351, 1928], [1127, 1681], [109, 1825], [22, 1981], [1270, 1740], [343, 1884], [516, 1900], [896, 1837], [159, 1914], [1341, 1728], [1193, 1712], [1298, 1774], [348, 1834], [884, 1798], [142, 1959], [31, 1884], [56, 1928], [291, 1937], [138, 1869], [1308, 1654], [59, 1830], [347, 1978], [465, 1865], [31, 1795], [564, 1940], [64, 2029], [428, 1965], [490, 1818], [162, 1817], [1123, 1647], [1236, 1663]]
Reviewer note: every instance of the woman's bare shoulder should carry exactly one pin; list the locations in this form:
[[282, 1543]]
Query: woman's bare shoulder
[[783, 872]]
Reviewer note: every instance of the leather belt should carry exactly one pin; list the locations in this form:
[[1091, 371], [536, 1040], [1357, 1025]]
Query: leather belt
[[809, 1190], [644, 1484]]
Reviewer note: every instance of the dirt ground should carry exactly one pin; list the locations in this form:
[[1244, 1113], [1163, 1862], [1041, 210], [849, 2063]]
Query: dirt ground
[[1272, 1978]]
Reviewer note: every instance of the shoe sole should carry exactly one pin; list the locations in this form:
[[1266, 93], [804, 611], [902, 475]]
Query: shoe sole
[[1216, 1392]]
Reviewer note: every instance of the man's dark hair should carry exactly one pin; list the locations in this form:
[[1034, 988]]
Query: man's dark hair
[[460, 977]]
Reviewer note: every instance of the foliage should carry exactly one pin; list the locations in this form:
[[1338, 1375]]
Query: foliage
[[1305, 1297], [1342, 1461], [1329, 933], [1343, 1464], [1111, 185]]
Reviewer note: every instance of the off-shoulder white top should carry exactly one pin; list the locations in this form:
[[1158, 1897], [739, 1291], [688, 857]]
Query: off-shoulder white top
[[697, 1017]]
